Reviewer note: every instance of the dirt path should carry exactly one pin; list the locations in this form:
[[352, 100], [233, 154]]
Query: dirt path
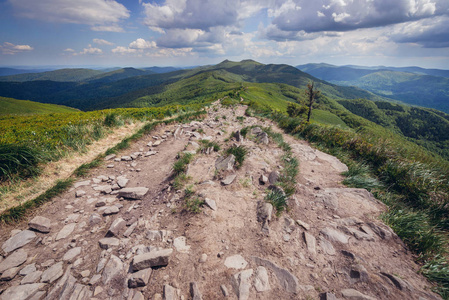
[[329, 245]]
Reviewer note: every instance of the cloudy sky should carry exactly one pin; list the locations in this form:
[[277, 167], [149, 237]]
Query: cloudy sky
[[145, 33]]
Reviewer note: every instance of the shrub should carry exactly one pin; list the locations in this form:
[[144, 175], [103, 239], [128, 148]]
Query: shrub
[[239, 152]]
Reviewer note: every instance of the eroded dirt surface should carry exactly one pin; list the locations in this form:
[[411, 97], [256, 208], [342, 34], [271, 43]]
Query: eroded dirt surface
[[330, 240]]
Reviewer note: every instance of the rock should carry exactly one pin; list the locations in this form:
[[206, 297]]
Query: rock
[[356, 295], [28, 269], [358, 273], [113, 269], [235, 262], [105, 189], [53, 273], [110, 210], [21, 292], [398, 282], [116, 227], [287, 280], [310, 242], [256, 131], [122, 181], [261, 280], [303, 224], [383, 232], [264, 211], [195, 292], [95, 279], [211, 203], [130, 230], [9, 274], [157, 143], [158, 235], [238, 137], [150, 153], [107, 243], [103, 178], [224, 290], [263, 138], [138, 296], [170, 293], [180, 244], [357, 233], [327, 246], [139, 278], [135, 193], [80, 193], [81, 291], [241, 283], [94, 219], [63, 288], [40, 224], [229, 179], [328, 296], [155, 258], [65, 231], [273, 177], [110, 156], [330, 201], [225, 163], [203, 258], [71, 254], [14, 260], [38, 295], [126, 158], [32, 277], [335, 235], [263, 179], [19, 240]]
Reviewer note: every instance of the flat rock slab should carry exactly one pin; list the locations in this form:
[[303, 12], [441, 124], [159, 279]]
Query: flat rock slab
[[229, 179], [65, 231], [112, 269], [15, 259], [310, 242], [107, 243], [116, 227], [152, 259], [241, 283], [235, 262], [40, 224], [354, 294], [9, 274], [32, 277], [140, 278], [71, 254], [135, 193], [287, 280], [53, 273], [21, 292], [225, 163], [211, 203], [18, 240], [335, 235], [261, 282], [180, 244]]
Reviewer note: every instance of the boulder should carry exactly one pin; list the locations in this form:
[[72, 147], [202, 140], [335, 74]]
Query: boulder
[[225, 163], [157, 258], [134, 193], [40, 224], [139, 278]]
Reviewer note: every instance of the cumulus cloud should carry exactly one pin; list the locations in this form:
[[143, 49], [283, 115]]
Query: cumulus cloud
[[102, 42], [11, 49], [91, 50], [123, 50], [142, 44], [101, 15]]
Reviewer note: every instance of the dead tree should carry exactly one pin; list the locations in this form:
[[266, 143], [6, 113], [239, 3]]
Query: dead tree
[[312, 94]]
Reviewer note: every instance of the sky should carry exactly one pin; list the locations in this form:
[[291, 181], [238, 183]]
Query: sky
[[144, 33]]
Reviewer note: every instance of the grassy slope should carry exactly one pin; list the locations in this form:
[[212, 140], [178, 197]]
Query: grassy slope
[[9, 106], [62, 75]]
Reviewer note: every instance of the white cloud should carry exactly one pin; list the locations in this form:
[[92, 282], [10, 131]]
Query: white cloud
[[102, 42], [101, 15], [69, 50], [11, 49], [123, 50], [91, 50], [142, 44]]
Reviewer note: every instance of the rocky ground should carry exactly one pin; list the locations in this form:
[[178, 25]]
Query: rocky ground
[[124, 232]]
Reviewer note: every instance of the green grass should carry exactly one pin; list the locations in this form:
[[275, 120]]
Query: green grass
[[205, 144], [17, 160], [327, 118], [10, 106], [278, 200], [181, 165], [239, 152]]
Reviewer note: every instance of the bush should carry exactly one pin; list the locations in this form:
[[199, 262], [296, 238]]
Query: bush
[[110, 120]]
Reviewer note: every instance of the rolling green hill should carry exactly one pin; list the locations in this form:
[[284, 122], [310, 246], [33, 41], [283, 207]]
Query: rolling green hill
[[62, 75], [9, 106]]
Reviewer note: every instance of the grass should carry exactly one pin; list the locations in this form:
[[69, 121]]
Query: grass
[[278, 200], [240, 154], [205, 144], [192, 203], [20, 161], [181, 165]]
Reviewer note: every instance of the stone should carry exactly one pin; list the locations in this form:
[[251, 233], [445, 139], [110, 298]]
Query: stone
[[157, 143], [32, 277], [225, 163], [235, 262], [238, 137], [107, 243], [287, 280], [263, 138], [9, 274], [210, 203], [303, 224], [63, 288], [19, 240], [241, 283], [71, 254], [81, 183], [65, 231], [116, 227], [330, 201], [28, 269], [126, 158], [85, 273], [122, 181], [229, 179], [224, 290], [398, 282], [105, 189], [53, 273], [40, 224], [203, 258], [139, 278], [356, 295], [155, 258], [358, 273], [273, 177], [113, 269], [261, 280], [38, 295], [134, 193], [94, 219], [138, 296], [103, 178], [130, 230], [327, 246], [335, 235], [20, 292], [263, 179], [110, 210], [170, 293], [110, 156], [95, 279], [180, 244], [264, 211], [256, 131], [195, 291], [328, 296], [48, 263], [310, 242], [14, 260], [384, 233], [81, 291], [80, 193]]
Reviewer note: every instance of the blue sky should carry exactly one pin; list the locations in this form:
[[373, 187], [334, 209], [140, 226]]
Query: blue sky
[[144, 33]]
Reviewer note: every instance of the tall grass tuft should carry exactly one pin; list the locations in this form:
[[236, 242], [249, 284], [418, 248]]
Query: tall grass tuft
[[278, 200], [18, 160], [180, 166], [239, 152]]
